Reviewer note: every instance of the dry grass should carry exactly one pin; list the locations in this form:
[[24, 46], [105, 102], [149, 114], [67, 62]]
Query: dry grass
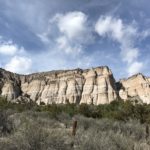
[[37, 131]]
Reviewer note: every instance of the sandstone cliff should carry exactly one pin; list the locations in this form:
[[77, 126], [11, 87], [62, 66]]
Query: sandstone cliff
[[91, 86], [95, 86], [136, 86]]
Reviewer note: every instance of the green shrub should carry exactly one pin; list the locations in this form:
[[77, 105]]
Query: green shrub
[[6, 126], [116, 110]]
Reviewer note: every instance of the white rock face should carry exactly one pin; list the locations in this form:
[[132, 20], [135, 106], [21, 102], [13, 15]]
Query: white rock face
[[99, 87], [137, 85], [91, 86], [10, 91]]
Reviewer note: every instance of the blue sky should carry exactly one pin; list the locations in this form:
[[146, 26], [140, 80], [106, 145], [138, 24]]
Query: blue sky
[[48, 35]]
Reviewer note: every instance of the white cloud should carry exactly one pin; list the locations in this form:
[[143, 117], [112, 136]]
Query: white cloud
[[68, 32], [115, 29], [19, 64], [125, 35], [145, 33], [72, 24], [13, 57], [135, 67], [130, 55], [64, 44], [108, 26], [9, 48], [73, 31]]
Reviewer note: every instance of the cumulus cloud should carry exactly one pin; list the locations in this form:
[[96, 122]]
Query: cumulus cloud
[[74, 30], [68, 47], [108, 26], [9, 48], [69, 31], [72, 24], [19, 64], [13, 57], [125, 35]]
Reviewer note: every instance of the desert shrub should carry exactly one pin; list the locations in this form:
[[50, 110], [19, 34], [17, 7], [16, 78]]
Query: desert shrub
[[140, 112], [6, 125], [37, 130], [53, 110], [20, 106], [115, 126], [84, 109], [3, 103], [116, 110], [36, 133], [70, 109], [7, 144], [110, 135], [65, 119], [96, 139], [103, 141], [141, 146]]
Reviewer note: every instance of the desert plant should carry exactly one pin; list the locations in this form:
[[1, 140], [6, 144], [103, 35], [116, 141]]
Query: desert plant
[[6, 126]]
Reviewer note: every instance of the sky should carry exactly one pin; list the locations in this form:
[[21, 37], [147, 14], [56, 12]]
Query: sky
[[44, 35]]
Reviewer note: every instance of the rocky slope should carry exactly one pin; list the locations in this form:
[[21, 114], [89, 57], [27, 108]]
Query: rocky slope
[[91, 86]]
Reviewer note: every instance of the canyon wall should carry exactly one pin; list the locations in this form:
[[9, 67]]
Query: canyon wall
[[91, 86], [137, 86]]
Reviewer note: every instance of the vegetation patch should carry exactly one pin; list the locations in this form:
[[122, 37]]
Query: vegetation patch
[[115, 126]]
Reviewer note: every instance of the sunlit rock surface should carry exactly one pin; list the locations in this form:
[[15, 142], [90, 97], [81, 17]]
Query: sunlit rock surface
[[91, 86], [136, 86]]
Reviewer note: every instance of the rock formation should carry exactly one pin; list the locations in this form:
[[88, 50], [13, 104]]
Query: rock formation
[[135, 86], [91, 86]]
